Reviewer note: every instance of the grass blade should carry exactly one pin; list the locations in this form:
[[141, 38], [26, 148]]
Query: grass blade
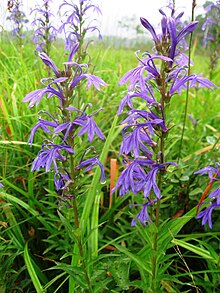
[[31, 271]]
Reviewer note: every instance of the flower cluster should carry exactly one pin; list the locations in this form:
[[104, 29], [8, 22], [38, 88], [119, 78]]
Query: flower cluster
[[60, 153], [74, 28], [214, 177], [212, 33], [45, 33], [158, 77], [17, 18]]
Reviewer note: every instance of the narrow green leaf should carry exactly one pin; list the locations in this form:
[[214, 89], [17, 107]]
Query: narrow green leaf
[[94, 227], [15, 200], [195, 249], [31, 271], [54, 280]]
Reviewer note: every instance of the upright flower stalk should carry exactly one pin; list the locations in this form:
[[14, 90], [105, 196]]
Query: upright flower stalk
[[17, 18], [212, 35], [77, 24], [61, 150], [158, 78], [45, 32]]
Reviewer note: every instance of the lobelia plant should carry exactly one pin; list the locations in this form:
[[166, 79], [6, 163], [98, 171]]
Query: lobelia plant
[[78, 23], [17, 18], [212, 35], [63, 153], [159, 77], [45, 33]]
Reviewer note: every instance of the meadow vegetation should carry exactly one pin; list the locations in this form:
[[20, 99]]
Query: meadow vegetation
[[39, 238]]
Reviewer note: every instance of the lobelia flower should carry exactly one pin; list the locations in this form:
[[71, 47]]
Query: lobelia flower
[[90, 163], [44, 125], [206, 214], [214, 176], [134, 141], [17, 18], [67, 124], [132, 178], [86, 122], [212, 14], [143, 215], [212, 31], [60, 180], [48, 155], [77, 24], [211, 171], [45, 33], [169, 39]]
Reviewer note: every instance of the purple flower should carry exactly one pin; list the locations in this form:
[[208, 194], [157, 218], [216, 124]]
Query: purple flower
[[194, 121], [206, 214], [211, 25], [36, 96], [132, 178], [134, 141], [166, 43], [18, 19], [60, 180], [150, 28], [90, 163], [149, 98], [178, 84], [215, 194], [45, 33], [136, 75], [43, 124], [88, 125], [1, 185], [49, 63], [136, 117], [48, 155], [214, 175], [76, 16], [151, 179], [143, 215], [210, 171], [91, 80]]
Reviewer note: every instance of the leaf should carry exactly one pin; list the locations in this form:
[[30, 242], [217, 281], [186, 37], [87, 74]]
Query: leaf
[[73, 271], [195, 249], [31, 271], [196, 191]]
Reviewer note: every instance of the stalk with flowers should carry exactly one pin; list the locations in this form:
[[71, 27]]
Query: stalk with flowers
[[212, 35], [17, 18], [45, 33], [77, 24], [64, 152], [159, 77]]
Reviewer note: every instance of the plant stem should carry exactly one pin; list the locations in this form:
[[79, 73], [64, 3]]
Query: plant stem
[[187, 90], [161, 159], [79, 242]]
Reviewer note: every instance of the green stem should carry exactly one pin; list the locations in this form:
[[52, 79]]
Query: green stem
[[187, 90], [79, 242], [162, 160]]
